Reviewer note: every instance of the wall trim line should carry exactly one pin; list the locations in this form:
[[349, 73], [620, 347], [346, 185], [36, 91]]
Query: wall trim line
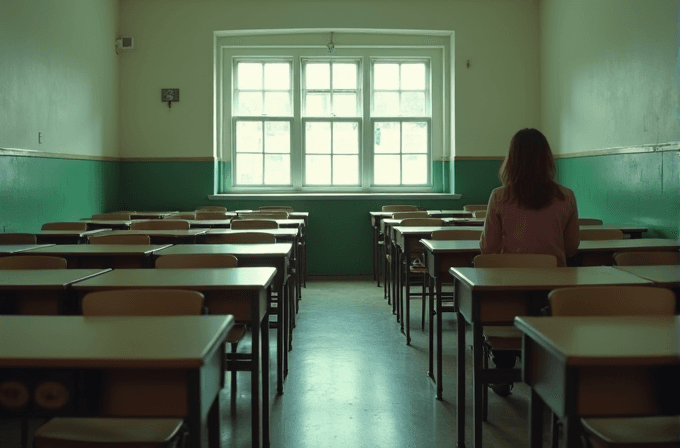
[[331, 196], [457, 158], [54, 155], [637, 149], [167, 159]]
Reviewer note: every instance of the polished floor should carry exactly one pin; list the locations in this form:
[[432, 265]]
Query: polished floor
[[353, 382]]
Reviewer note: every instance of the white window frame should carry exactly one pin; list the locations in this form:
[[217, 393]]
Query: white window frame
[[269, 45]]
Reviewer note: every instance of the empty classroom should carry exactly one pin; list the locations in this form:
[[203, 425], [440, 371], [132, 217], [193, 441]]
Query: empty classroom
[[336, 109]]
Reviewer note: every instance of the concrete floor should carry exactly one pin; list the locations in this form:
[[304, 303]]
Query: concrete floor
[[353, 382]]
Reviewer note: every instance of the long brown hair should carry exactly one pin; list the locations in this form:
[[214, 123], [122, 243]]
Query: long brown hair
[[528, 171]]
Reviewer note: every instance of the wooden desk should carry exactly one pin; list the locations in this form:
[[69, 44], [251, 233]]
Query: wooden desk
[[150, 215], [601, 252], [187, 236], [498, 295], [449, 214], [209, 223], [242, 292], [67, 236], [40, 291], [116, 224], [634, 232], [7, 249], [562, 357], [77, 353], [467, 221], [113, 256], [256, 255]]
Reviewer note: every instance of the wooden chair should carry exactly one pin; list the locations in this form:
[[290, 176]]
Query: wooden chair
[[622, 432], [479, 214], [120, 239], [406, 215], [17, 262], [211, 208], [212, 261], [254, 224], [284, 208], [474, 207], [111, 217], [18, 238], [124, 432], [589, 222], [211, 215], [160, 224], [240, 238], [600, 234], [399, 208], [646, 258], [64, 226], [190, 216], [499, 333]]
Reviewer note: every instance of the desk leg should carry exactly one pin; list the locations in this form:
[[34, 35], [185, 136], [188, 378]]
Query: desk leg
[[440, 349], [430, 328], [406, 318], [572, 431], [536, 407], [204, 385], [258, 354], [264, 335], [477, 385], [460, 378], [281, 340], [375, 256]]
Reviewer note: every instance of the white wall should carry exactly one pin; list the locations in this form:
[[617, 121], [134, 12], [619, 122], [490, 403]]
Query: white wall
[[608, 73], [497, 95], [59, 76]]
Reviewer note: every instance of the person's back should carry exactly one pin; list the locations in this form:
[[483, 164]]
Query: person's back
[[531, 213]]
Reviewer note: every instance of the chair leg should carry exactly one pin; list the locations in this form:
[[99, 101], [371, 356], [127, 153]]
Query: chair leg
[[485, 391], [234, 345], [422, 314]]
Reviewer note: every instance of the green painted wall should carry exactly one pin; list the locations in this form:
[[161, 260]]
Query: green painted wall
[[38, 190], [475, 179], [642, 189]]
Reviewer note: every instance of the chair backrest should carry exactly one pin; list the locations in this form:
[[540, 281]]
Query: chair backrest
[[120, 239], [184, 215], [405, 215], [399, 208], [211, 208], [211, 215], [515, 261], [600, 234], [479, 213], [111, 217], [589, 222], [427, 222], [474, 207], [254, 224], [18, 238], [64, 226], [160, 224], [196, 261], [454, 234], [143, 302], [14, 262], [284, 208], [646, 258], [240, 238], [612, 301]]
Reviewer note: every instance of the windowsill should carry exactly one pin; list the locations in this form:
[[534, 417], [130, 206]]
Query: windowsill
[[335, 196]]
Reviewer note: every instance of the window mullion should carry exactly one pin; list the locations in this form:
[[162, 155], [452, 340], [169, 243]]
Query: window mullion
[[297, 150], [367, 147]]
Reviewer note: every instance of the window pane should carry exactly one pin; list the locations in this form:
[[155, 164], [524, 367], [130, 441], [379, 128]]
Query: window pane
[[344, 76], [318, 170], [386, 170], [277, 76], [414, 169], [345, 170], [317, 104], [413, 76], [414, 137], [277, 137], [249, 136], [345, 104], [318, 76], [249, 75], [250, 103], [386, 76], [386, 103], [387, 138], [277, 169], [345, 138], [413, 104], [277, 103], [249, 169], [318, 138]]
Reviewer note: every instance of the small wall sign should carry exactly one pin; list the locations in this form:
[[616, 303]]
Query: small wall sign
[[169, 96]]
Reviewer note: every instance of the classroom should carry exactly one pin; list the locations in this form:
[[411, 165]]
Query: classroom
[[84, 129]]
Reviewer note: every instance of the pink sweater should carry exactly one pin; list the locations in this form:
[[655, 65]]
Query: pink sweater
[[553, 230]]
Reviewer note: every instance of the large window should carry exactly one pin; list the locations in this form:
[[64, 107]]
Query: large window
[[301, 119]]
